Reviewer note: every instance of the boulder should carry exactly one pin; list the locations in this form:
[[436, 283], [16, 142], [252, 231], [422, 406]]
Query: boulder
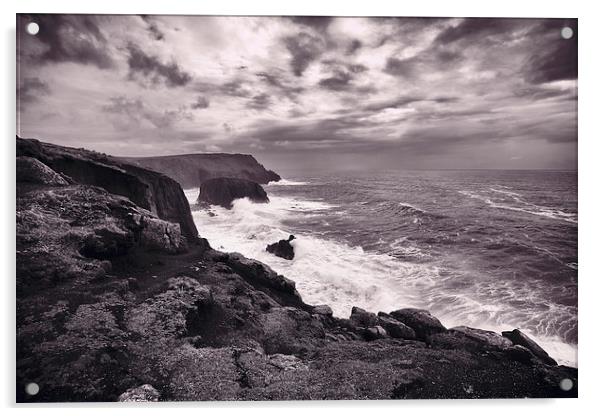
[[469, 339], [143, 393], [223, 191], [395, 328], [323, 310], [362, 318], [420, 320], [520, 338], [375, 332], [490, 338], [33, 171], [282, 248], [161, 235]]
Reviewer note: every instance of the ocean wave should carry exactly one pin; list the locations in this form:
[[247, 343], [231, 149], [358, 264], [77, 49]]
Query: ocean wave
[[527, 208], [329, 271], [286, 182]]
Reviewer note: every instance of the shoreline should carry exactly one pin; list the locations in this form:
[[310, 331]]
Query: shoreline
[[113, 299], [561, 350]]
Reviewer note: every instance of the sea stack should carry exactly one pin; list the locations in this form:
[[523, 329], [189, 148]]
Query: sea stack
[[223, 191], [282, 248]]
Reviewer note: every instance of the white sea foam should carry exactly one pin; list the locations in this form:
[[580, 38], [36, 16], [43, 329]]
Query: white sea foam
[[286, 182], [331, 272]]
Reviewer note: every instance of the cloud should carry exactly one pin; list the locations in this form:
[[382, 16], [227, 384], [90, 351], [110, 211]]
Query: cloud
[[130, 113], [30, 89], [338, 82], [200, 103], [259, 102], [151, 69], [354, 46], [319, 23], [153, 29], [68, 38], [478, 29], [304, 49], [557, 59]]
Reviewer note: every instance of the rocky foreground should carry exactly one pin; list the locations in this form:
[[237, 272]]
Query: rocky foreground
[[117, 300]]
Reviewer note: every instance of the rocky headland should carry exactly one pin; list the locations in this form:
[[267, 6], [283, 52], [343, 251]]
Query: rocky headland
[[119, 299], [192, 170]]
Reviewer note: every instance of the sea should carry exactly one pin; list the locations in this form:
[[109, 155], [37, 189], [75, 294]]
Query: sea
[[489, 249]]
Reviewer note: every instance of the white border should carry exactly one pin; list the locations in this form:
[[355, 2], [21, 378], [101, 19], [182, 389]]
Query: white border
[[590, 205]]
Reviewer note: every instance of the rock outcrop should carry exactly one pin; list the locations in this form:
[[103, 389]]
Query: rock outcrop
[[144, 393], [110, 308], [282, 248], [30, 170], [223, 191], [517, 337], [192, 170], [150, 190], [422, 322]]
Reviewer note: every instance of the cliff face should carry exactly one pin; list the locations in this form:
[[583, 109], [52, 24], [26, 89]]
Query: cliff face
[[191, 170], [149, 190], [222, 191]]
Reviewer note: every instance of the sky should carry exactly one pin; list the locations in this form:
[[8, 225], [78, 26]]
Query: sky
[[305, 93]]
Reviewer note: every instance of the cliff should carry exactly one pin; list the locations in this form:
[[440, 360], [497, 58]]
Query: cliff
[[111, 307], [149, 190], [191, 170], [223, 191]]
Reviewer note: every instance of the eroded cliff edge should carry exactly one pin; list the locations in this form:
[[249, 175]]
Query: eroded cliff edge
[[109, 302], [193, 169]]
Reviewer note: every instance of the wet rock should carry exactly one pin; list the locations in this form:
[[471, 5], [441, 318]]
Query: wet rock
[[520, 338], [420, 320], [395, 328], [33, 171], [143, 393], [520, 354], [223, 191], [360, 317], [282, 248]]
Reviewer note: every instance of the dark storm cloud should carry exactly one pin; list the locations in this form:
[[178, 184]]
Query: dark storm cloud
[[479, 29], [200, 103], [153, 29], [30, 89], [304, 49], [556, 59], [235, 88], [278, 86], [259, 102], [69, 38], [354, 46], [130, 113], [437, 57], [338, 82], [319, 23], [151, 69], [537, 93]]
